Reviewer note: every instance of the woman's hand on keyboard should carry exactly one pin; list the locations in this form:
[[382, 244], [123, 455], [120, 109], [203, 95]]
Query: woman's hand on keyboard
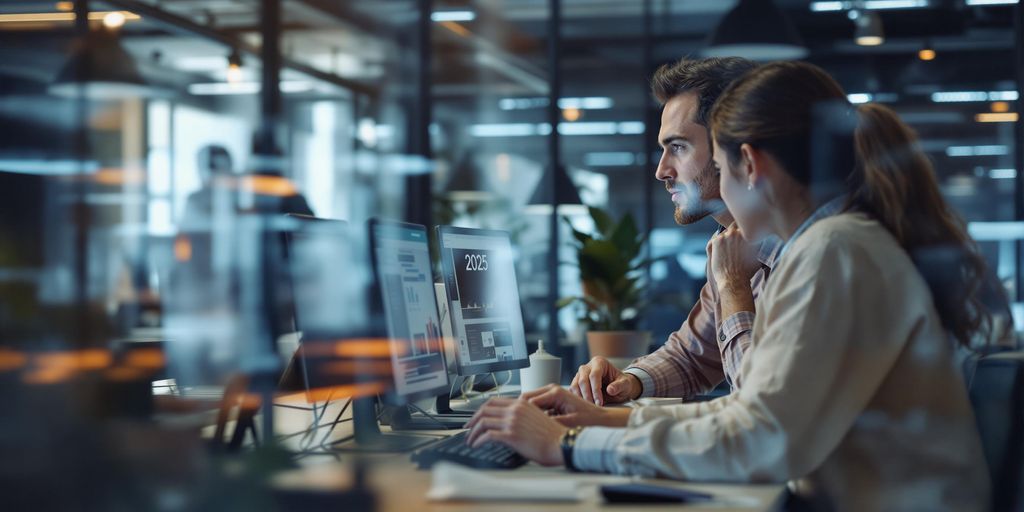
[[572, 411], [519, 425]]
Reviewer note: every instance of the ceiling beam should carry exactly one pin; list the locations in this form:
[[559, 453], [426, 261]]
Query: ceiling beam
[[188, 27]]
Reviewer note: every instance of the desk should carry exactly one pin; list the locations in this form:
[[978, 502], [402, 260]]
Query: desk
[[400, 487]]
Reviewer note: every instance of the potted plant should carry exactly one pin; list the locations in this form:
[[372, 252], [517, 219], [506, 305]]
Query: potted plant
[[611, 271]]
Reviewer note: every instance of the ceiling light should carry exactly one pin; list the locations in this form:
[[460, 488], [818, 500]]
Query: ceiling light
[[207, 63], [611, 158], [487, 130], [234, 73], [593, 128], [858, 97], [114, 20], [587, 103], [1000, 106], [972, 96], [995, 150], [239, 88], [757, 30], [895, 4], [51, 167], [440, 16], [56, 17], [504, 130], [827, 6], [869, 5], [101, 69], [991, 2], [631, 127], [572, 114], [996, 117], [1003, 95], [1002, 174], [65, 6], [926, 53], [869, 28]]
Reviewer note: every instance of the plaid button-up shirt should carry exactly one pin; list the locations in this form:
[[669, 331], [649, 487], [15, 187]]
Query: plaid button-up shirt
[[707, 348]]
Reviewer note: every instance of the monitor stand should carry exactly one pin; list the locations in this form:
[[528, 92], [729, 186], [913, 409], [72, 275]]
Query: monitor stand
[[404, 419], [443, 416], [443, 406], [369, 438], [471, 405]]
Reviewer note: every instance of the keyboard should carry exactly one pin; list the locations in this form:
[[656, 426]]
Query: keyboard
[[454, 449]]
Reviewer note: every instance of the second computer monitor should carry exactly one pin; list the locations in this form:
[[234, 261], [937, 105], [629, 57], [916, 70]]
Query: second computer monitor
[[483, 300], [402, 260]]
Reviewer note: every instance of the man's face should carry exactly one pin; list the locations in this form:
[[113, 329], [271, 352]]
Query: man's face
[[685, 165]]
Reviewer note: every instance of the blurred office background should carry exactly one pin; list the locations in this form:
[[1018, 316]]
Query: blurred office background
[[115, 114]]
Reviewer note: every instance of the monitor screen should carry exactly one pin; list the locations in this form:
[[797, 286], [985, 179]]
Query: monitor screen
[[483, 300], [343, 348], [330, 293], [402, 259]]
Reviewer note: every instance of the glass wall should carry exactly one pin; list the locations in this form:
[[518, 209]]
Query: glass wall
[[150, 148]]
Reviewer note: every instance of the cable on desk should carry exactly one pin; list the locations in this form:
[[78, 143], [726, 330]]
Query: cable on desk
[[337, 420], [310, 438]]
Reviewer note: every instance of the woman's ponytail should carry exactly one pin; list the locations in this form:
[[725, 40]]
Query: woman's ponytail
[[894, 182]]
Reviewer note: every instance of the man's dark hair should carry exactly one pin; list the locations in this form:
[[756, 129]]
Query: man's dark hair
[[708, 78]]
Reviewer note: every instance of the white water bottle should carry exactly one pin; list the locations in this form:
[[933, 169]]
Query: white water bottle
[[544, 369]]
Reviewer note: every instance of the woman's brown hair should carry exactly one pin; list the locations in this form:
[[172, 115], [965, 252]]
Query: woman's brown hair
[[784, 108]]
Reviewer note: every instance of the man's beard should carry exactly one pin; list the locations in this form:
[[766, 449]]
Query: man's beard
[[700, 198]]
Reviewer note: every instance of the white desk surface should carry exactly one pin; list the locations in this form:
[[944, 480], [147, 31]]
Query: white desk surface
[[400, 487]]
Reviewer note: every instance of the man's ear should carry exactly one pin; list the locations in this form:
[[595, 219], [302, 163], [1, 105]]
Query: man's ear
[[752, 165]]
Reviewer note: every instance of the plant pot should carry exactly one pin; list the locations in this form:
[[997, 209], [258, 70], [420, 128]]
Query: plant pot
[[618, 345]]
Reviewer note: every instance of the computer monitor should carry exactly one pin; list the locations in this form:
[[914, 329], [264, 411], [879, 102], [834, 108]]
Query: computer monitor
[[401, 258], [344, 347], [483, 300], [331, 287]]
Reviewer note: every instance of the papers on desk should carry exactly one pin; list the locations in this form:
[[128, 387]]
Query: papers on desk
[[452, 482]]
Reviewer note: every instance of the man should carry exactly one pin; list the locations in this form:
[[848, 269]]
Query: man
[[709, 346], [219, 193]]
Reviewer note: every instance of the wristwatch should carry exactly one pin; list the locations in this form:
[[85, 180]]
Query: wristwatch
[[568, 443]]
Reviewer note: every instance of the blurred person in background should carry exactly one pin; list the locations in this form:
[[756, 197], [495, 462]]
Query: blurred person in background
[[709, 346], [850, 392], [216, 170], [223, 188]]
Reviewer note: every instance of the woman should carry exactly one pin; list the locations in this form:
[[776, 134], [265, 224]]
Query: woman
[[850, 388]]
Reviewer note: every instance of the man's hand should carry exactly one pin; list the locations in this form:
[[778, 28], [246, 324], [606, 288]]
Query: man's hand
[[572, 411], [733, 260], [519, 425], [600, 382]]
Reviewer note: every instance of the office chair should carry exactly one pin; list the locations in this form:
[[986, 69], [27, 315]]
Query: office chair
[[997, 396]]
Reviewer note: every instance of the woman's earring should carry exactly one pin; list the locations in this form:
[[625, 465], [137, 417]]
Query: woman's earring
[[750, 185]]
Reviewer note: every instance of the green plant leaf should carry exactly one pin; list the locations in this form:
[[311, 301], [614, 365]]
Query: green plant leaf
[[602, 221], [602, 259], [626, 236]]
